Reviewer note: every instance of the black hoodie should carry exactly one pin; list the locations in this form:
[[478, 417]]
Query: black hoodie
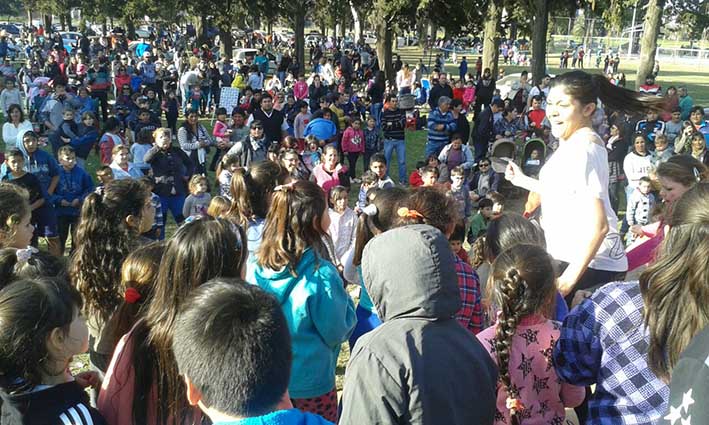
[[63, 404], [420, 366]]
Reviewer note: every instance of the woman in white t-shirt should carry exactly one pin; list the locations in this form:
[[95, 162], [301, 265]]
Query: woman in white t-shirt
[[578, 221], [15, 125]]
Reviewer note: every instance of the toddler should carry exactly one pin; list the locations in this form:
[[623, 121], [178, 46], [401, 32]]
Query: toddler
[[353, 145], [143, 143], [229, 164], [662, 152], [312, 157], [197, 203], [369, 181], [219, 207], [373, 140]]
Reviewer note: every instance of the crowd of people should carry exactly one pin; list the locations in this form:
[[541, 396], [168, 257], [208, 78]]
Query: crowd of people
[[239, 315]]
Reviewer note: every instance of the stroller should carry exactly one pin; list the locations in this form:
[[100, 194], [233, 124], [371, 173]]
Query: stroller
[[501, 152], [533, 157], [407, 102]]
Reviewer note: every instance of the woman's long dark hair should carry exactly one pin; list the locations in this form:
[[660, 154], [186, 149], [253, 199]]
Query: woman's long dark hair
[[675, 288], [199, 251], [104, 239], [589, 88]]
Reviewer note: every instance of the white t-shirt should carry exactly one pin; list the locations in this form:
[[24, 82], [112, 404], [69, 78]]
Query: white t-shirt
[[577, 171], [536, 92]]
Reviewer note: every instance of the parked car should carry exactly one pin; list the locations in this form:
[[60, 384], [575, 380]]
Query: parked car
[[248, 55], [505, 84], [10, 29]]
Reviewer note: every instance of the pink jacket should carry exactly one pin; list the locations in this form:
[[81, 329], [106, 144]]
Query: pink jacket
[[353, 140], [532, 372], [326, 180], [300, 90], [115, 401]]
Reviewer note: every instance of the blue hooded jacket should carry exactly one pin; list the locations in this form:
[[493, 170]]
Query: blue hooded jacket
[[321, 128], [281, 417], [73, 184], [320, 316], [40, 163]]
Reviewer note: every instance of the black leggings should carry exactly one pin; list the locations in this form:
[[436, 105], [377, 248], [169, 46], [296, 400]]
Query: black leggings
[[352, 158]]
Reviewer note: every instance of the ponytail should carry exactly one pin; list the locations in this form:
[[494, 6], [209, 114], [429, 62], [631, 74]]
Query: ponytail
[[589, 88], [251, 190], [478, 252]]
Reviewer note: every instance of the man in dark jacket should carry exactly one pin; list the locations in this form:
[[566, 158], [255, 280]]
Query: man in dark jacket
[[484, 134], [420, 366], [439, 90]]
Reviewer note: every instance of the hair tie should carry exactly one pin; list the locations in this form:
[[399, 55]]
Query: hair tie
[[514, 405], [284, 187], [370, 210], [24, 255], [132, 295], [697, 174], [407, 213]]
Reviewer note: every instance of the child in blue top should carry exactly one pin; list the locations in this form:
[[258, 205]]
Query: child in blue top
[[373, 141], [294, 264], [252, 333], [74, 185], [46, 169]]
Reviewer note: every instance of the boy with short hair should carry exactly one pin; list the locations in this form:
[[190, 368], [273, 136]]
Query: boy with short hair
[[456, 240], [673, 127], [459, 193], [429, 176], [236, 368], [104, 174], [378, 165], [640, 205], [478, 225], [74, 185]]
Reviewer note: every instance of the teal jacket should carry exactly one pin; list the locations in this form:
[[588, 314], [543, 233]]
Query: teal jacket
[[320, 316], [281, 417]]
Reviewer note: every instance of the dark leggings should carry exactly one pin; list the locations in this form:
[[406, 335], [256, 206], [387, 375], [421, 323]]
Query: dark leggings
[[352, 158], [591, 280]]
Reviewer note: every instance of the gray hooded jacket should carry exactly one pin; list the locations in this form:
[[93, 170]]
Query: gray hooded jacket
[[420, 366]]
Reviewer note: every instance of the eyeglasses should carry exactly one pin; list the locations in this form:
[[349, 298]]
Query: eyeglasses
[[257, 128], [484, 165]]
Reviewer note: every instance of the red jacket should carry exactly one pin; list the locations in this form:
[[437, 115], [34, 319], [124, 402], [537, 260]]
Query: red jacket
[[415, 179]]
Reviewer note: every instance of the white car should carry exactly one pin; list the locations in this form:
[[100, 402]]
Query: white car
[[248, 55], [313, 38], [505, 84]]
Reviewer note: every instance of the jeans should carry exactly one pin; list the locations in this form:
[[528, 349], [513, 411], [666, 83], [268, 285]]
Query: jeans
[[102, 97], [174, 204], [282, 77], [376, 111], [400, 145], [433, 149]]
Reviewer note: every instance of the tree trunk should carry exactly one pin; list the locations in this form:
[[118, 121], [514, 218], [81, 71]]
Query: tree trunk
[[421, 31], [47, 24], [491, 39], [226, 46], [358, 24], [434, 32], [300, 37], [29, 17], [68, 22], [648, 43], [539, 39], [384, 52], [202, 30], [513, 30], [130, 27]]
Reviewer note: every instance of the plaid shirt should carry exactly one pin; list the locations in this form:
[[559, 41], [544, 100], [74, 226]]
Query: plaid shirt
[[159, 221], [604, 341], [470, 314]]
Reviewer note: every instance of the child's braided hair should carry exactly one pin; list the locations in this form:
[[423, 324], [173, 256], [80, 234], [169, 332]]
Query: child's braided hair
[[523, 279]]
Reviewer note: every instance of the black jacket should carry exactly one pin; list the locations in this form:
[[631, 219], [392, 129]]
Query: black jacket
[[60, 404], [436, 92], [420, 366]]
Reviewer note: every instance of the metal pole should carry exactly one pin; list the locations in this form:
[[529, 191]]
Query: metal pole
[[632, 30]]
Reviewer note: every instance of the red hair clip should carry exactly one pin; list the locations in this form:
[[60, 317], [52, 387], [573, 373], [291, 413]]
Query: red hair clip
[[407, 213], [132, 295]]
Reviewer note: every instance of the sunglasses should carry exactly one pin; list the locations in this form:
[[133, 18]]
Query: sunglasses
[[484, 165], [257, 128]]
